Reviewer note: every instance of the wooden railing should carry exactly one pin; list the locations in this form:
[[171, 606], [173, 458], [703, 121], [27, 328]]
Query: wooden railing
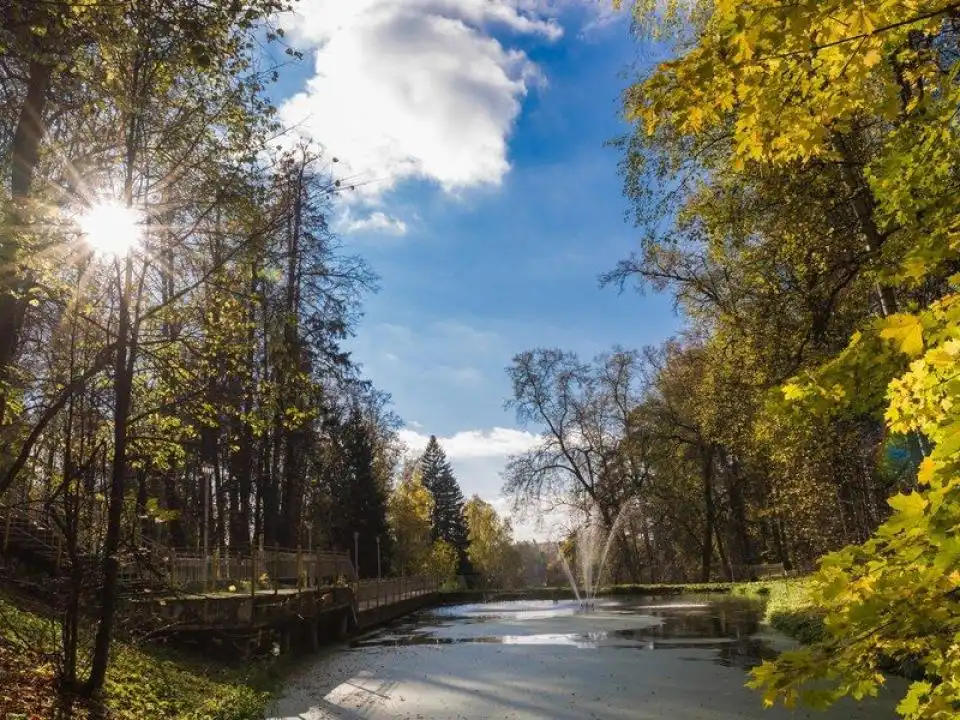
[[267, 568], [374, 593], [36, 523], [146, 563]]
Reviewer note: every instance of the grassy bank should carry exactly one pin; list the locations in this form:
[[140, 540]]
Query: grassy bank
[[788, 607], [141, 683], [669, 589]]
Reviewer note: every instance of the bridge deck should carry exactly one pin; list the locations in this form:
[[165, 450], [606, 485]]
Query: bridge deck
[[366, 603]]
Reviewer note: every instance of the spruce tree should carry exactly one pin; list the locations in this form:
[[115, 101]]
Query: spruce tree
[[447, 522]]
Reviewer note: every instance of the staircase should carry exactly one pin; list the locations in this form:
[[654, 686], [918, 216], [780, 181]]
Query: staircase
[[29, 534]]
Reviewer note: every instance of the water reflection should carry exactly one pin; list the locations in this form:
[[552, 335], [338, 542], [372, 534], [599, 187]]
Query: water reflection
[[728, 627]]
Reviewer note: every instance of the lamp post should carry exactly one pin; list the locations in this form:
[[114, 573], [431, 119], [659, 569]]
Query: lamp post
[[356, 553], [378, 558], [207, 471]]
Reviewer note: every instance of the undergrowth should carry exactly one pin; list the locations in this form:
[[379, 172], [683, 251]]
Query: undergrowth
[[142, 682]]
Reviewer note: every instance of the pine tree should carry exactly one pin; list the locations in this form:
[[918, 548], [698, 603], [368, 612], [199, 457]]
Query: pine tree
[[447, 521]]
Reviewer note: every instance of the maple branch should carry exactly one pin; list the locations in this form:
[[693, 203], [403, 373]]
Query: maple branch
[[813, 49]]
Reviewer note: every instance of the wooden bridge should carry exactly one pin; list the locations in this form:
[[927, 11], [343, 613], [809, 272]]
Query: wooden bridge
[[288, 617], [272, 597]]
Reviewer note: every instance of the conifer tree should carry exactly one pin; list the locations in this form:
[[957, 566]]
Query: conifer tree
[[360, 501], [447, 521]]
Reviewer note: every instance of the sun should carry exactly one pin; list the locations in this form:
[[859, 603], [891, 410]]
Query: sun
[[110, 228]]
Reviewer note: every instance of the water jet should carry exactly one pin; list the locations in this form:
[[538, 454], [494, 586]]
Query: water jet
[[592, 542]]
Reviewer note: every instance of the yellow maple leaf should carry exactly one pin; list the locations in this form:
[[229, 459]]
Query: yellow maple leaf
[[906, 330]]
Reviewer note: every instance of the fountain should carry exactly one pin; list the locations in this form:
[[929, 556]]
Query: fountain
[[592, 550]]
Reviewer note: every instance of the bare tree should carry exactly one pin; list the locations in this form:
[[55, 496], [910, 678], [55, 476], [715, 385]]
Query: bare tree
[[584, 413]]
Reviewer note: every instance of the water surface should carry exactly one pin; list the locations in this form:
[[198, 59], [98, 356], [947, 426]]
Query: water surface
[[679, 658]]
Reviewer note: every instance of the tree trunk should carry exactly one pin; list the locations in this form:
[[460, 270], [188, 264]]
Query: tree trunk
[[780, 541], [271, 489], [172, 501], [24, 153], [70, 624], [724, 557], [742, 554], [111, 563], [652, 561], [864, 208], [243, 472], [706, 469], [243, 458]]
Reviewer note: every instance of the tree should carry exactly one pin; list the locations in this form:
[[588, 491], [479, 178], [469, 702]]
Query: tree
[[209, 359], [447, 520], [583, 410], [491, 543], [860, 101], [409, 513], [441, 562], [531, 565], [358, 497]]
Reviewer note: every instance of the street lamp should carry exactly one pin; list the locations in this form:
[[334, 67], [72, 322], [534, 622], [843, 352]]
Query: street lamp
[[378, 558], [356, 553]]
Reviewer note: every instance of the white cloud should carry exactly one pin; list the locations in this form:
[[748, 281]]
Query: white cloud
[[416, 88], [374, 222], [478, 457], [536, 523], [498, 442]]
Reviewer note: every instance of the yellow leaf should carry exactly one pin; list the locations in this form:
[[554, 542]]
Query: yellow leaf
[[906, 330], [872, 57], [909, 506]]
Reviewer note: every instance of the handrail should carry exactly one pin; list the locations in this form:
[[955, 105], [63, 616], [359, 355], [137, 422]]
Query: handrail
[[159, 564]]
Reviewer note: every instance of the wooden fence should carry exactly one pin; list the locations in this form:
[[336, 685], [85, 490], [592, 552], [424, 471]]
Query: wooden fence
[[374, 593], [267, 568]]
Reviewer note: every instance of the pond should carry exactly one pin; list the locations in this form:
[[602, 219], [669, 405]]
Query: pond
[[678, 658]]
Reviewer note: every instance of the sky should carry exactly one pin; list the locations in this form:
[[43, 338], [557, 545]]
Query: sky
[[486, 198]]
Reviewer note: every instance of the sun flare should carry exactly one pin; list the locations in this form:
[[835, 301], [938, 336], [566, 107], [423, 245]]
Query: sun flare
[[110, 228]]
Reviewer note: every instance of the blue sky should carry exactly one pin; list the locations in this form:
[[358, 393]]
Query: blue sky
[[488, 203]]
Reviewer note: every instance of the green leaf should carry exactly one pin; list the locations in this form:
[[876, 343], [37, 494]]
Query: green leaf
[[911, 505], [949, 444], [910, 705]]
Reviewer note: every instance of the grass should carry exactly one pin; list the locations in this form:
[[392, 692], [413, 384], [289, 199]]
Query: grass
[[668, 589], [788, 607], [141, 682]]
